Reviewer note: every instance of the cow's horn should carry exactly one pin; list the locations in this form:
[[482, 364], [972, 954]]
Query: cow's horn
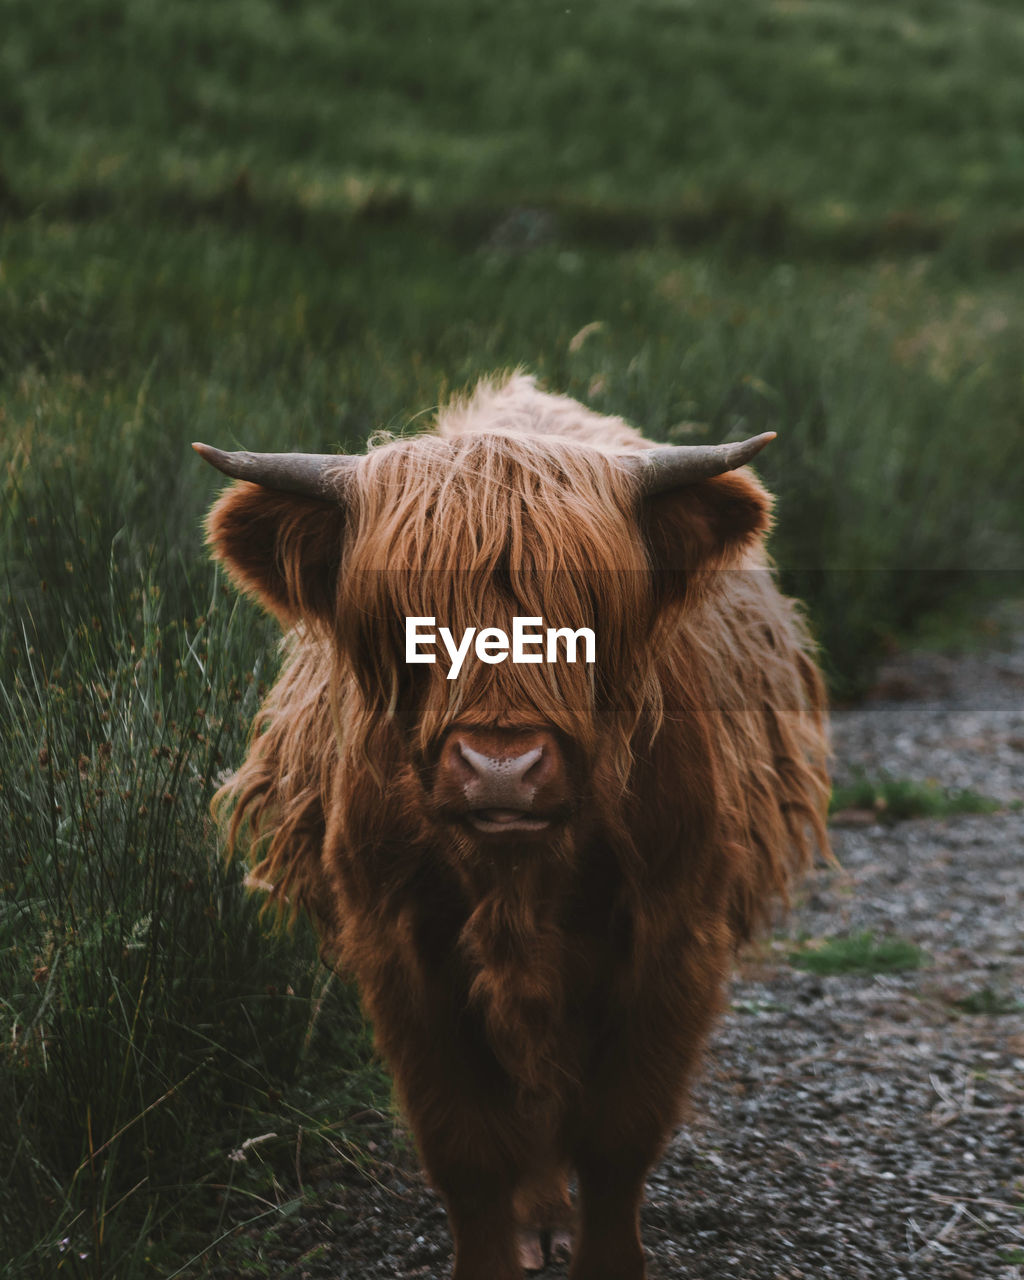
[[671, 466], [316, 475]]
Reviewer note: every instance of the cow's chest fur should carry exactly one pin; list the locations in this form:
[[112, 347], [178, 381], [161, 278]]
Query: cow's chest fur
[[503, 973], [537, 951]]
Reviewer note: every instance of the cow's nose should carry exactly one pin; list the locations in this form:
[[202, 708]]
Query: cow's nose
[[498, 771], [501, 770]]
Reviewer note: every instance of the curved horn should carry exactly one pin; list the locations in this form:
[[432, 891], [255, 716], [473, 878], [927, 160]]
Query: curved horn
[[316, 475], [671, 466]]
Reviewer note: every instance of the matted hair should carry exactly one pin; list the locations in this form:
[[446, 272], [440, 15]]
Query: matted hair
[[700, 723]]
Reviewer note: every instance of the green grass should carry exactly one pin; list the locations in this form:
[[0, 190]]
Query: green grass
[[895, 799], [148, 1024], [792, 122], [858, 953], [285, 225]]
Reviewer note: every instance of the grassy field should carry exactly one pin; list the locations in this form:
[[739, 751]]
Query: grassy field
[[287, 225]]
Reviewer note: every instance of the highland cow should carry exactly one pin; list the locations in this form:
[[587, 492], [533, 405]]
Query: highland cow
[[538, 873]]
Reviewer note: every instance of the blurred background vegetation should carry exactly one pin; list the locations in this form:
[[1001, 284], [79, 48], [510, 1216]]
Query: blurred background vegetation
[[286, 223]]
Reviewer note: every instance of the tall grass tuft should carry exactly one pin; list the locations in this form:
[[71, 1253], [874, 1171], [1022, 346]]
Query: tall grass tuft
[[148, 1024]]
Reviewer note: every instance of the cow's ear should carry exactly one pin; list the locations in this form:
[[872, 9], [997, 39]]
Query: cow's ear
[[698, 530], [282, 548]]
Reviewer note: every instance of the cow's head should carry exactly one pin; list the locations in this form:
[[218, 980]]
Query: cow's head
[[473, 529]]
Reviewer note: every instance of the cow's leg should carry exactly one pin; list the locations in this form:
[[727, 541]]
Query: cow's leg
[[482, 1224], [459, 1104], [611, 1184], [470, 1154], [632, 1101]]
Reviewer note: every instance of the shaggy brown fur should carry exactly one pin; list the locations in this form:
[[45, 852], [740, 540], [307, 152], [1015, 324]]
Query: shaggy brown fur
[[542, 1009]]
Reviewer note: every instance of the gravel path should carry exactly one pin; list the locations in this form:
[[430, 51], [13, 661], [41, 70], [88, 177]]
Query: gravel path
[[847, 1126]]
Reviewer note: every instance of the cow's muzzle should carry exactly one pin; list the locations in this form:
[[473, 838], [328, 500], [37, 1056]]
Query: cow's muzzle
[[503, 781]]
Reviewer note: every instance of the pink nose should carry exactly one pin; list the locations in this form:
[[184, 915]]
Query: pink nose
[[501, 768]]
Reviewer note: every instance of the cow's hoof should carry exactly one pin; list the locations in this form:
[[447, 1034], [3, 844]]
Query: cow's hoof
[[531, 1250], [560, 1250], [541, 1249]]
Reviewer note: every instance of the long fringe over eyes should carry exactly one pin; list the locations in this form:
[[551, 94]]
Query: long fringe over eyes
[[474, 531]]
